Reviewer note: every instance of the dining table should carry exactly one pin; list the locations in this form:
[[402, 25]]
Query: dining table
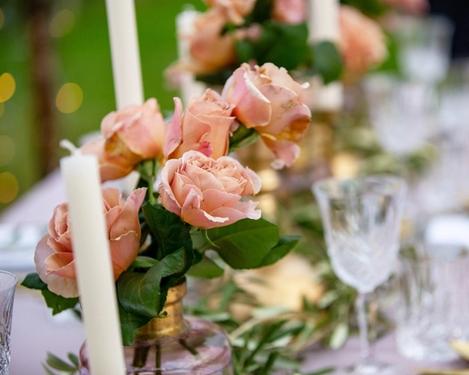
[[35, 332]]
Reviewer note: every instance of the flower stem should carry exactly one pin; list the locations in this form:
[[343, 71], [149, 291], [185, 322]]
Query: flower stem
[[158, 359]]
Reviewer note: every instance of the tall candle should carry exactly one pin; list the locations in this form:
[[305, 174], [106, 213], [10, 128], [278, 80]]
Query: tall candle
[[323, 24], [190, 88], [93, 265], [323, 20], [125, 52]]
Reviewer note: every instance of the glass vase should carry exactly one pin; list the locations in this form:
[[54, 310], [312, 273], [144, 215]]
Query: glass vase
[[175, 344]]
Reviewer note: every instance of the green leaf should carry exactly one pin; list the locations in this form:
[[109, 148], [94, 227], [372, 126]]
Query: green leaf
[[54, 301], [142, 293], [144, 262], [169, 232], [48, 371], [327, 61], [283, 44], [262, 12], [58, 303], [59, 364], [245, 51], [73, 359], [243, 137], [372, 8], [130, 323], [206, 269], [245, 243], [32, 281], [339, 336], [282, 248], [391, 64]]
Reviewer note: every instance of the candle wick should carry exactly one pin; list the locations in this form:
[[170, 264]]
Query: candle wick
[[67, 145]]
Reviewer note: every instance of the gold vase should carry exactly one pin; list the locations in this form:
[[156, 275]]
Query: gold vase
[[171, 323]]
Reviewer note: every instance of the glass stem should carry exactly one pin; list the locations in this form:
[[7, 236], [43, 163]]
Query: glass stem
[[360, 305]]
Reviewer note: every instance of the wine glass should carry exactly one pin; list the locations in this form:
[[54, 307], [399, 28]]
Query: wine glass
[[398, 107], [426, 44], [362, 219]]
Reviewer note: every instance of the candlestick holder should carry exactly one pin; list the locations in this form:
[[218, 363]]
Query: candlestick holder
[[174, 344]]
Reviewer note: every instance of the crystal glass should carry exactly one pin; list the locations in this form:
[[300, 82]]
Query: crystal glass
[[434, 308], [7, 293], [398, 107], [425, 51], [362, 219]]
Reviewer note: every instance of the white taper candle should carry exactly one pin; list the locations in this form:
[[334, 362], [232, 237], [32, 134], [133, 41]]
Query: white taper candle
[[190, 88], [323, 20], [125, 52], [93, 265], [323, 24]]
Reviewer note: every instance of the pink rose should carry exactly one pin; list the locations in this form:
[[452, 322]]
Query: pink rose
[[206, 192], [268, 99], [211, 50], [289, 11], [130, 135], [235, 10], [363, 43], [411, 6], [204, 127], [54, 254]]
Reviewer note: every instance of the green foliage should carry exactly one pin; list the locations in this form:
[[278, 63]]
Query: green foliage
[[271, 46], [58, 303], [33, 281], [130, 323], [243, 137], [248, 243], [169, 232], [283, 247], [54, 363], [206, 268], [265, 343], [262, 12], [327, 61], [391, 64], [372, 8], [143, 262], [144, 293], [55, 302]]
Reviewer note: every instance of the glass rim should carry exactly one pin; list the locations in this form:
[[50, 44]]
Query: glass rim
[[327, 185], [12, 280], [439, 22]]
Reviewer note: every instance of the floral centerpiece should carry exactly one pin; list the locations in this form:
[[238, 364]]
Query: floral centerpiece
[[193, 210], [258, 30]]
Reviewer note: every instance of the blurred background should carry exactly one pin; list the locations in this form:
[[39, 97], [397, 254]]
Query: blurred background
[[56, 78]]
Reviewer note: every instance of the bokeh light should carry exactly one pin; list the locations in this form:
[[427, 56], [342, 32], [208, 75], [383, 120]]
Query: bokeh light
[[7, 87], [2, 18], [7, 149], [8, 187], [69, 98], [62, 23]]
